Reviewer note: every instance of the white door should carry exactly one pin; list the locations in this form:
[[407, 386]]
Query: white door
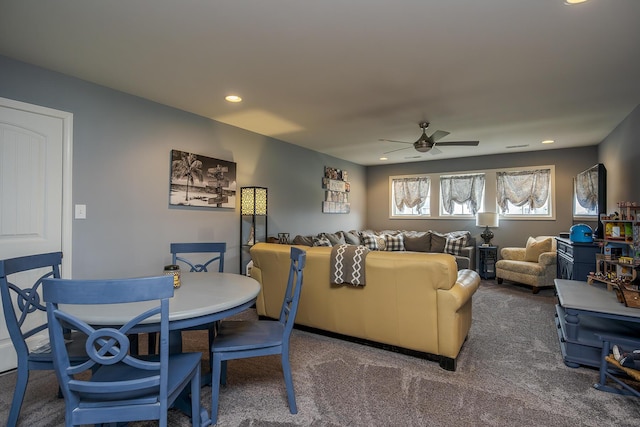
[[35, 192]]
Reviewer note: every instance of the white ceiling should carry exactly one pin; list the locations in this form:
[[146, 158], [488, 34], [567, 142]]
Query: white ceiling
[[337, 75]]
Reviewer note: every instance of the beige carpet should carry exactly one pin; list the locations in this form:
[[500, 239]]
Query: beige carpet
[[510, 372]]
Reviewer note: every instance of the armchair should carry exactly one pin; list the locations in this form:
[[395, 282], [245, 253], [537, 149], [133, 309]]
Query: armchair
[[533, 265]]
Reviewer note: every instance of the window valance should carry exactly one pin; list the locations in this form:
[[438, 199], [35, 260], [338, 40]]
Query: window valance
[[523, 188], [462, 189]]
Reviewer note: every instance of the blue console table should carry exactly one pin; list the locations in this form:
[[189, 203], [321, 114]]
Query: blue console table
[[582, 312]]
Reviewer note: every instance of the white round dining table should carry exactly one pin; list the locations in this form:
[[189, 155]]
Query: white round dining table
[[201, 299]]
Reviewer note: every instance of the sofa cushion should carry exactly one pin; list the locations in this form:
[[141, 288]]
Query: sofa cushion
[[394, 243], [417, 243], [303, 240], [536, 247], [351, 237], [335, 238], [370, 241], [321, 241], [438, 242], [454, 245]]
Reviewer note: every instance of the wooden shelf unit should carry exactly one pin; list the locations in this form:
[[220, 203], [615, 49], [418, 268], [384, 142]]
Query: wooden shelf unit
[[609, 269]]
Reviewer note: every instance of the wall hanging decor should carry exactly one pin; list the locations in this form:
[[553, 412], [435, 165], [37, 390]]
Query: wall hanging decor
[[201, 181], [337, 188]]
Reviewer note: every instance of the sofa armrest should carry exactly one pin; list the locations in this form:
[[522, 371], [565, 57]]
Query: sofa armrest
[[454, 312], [466, 285], [470, 253], [514, 254], [547, 258]]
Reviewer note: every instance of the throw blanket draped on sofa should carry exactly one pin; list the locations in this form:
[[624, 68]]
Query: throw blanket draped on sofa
[[347, 264]]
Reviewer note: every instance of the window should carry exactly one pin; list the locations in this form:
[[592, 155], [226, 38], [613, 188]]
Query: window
[[525, 192], [461, 195], [410, 196]]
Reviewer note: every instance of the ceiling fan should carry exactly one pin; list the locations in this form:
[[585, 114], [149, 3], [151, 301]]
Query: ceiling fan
[[428, 143]]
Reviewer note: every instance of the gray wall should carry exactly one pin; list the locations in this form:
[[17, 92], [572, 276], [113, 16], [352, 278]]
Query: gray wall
[[121, 158], [620, 154], [568, 162], [122, 146]]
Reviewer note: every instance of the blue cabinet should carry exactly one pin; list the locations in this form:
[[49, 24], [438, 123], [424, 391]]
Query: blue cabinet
[[575, 260], [487, 257]]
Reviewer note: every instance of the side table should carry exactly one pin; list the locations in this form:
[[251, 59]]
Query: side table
[[487, 257]]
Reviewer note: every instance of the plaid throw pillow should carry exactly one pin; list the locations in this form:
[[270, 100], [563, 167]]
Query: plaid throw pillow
[[394, 243], [370, 241], [454, 245], [321, 241]]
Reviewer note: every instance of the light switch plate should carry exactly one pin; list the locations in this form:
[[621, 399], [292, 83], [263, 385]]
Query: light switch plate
[[81, 211]]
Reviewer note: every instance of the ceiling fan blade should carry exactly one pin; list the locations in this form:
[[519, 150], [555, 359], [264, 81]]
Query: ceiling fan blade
[[439, 134], [393, 140], [435, 151], [468, 143], [393, 151]]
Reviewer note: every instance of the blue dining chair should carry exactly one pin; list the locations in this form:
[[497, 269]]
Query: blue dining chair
[[179, 251], [196, 262], [20, 306], [244, 339], [120, 386]]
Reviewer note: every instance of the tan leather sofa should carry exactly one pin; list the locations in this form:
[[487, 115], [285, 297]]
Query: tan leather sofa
[[528, 265], [413, 301]]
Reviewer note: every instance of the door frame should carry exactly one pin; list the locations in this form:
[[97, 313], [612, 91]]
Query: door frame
[[67, 169]]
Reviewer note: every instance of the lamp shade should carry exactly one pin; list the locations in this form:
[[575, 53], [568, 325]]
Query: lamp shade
[[487, 219], [253, 201]]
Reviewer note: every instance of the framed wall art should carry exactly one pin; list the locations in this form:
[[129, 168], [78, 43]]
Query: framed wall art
[[201, 181], [336, 195]]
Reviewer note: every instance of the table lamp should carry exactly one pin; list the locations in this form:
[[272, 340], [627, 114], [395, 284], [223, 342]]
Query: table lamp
[[487, 219]]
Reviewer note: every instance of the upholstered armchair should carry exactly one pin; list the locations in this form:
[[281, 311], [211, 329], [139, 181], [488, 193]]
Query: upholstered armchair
[[533, 265]]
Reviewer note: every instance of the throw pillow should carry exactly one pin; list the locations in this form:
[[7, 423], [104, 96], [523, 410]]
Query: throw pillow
[[454, 245], [303, 240], [421, 243], [335, 238], [438, 242], [382, 242], [465, 234], [370, 241], [321, 241], [394, 243], [536, 247], [351, 237]]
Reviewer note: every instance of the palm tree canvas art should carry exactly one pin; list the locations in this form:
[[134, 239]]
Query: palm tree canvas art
[[202, 181]]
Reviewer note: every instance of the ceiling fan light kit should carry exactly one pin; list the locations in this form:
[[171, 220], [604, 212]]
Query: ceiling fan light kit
[[428, 143]]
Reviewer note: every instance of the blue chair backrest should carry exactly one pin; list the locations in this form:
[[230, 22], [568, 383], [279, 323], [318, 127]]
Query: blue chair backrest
[[109, 345], [27, 300], [218, 248], [294, 288]]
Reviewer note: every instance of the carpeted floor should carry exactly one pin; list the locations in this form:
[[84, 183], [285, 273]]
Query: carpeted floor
[[510, 372]]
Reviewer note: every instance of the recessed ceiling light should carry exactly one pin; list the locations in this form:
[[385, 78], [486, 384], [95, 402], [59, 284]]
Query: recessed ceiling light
[[548, 141], [233, 98], [570, 2], [384, 158]]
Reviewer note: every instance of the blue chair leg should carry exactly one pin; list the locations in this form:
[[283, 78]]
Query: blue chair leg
[[18, 394], [223, 372], [216, 374], [196, 414], [288, 380]]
